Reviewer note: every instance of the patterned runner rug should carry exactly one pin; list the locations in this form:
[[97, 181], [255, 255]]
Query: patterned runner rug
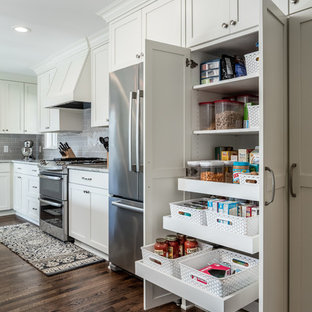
[[46, 253]]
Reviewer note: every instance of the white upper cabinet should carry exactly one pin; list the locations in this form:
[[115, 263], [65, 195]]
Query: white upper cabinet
[[125, 41], [11, 107], [100, 86], [298, 5], [164, 21], [31, 109], [207, 20]]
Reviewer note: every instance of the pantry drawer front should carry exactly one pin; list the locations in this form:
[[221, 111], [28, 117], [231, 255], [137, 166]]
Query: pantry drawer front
[[26, 169], [89, 178], [5, 167]]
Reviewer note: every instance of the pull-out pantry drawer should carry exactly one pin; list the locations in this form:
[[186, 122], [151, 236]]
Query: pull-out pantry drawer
[[89, 178]]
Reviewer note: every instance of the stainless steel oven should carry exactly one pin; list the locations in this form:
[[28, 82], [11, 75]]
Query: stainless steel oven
[[53, 185]]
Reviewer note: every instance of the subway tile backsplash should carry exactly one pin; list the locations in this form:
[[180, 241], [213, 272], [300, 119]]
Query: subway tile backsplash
[[83, 144]]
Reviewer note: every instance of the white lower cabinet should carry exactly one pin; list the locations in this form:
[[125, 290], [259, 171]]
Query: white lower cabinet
[[5, 189], [26, 191], [88, 213]]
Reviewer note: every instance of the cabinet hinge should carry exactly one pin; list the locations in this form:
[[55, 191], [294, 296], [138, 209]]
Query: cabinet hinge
[[190, 63]]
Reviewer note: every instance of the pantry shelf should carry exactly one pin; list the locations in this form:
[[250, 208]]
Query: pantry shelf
[[249, 244], [229, 131], [241, 191], [245, 84], [231, 303]]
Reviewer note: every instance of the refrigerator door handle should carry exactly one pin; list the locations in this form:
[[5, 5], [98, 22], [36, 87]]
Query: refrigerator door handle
[[137, 130], [119, 204], [132, 97]]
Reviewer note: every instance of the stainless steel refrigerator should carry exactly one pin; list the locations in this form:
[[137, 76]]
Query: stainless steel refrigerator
[[126, 166]]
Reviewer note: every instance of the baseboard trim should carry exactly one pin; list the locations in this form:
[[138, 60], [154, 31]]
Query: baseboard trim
[[91, 249]]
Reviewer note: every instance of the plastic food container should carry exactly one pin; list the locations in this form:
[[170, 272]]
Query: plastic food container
[[193, 169], [209, 73], [212, 171], [238, 168], [214, 64], [229, 114], [228, 171], [210, 80], [207, 116], [247, 98]]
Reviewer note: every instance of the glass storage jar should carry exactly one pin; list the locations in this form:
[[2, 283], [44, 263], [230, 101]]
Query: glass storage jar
[[212, 170], [192, 169], [228, 171], [207, 116], [229, 114]]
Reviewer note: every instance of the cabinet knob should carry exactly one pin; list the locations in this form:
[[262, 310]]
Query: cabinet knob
[[137, 55], [7, 130], [225, 25], [233, 23]]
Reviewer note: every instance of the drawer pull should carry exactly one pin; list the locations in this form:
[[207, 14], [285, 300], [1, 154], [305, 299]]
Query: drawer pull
[[34, 209], [86, 192], [86, 179], [34, 187]]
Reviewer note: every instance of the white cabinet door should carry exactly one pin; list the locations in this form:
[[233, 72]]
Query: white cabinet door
[[5, 200], [125, 41], [164, 21], [12, 107], [300, 129], [206, 20], [298, 5], [244, 14], [99, 219], [273, 141], [31, 109], [79, 212], [100, 86], [32, 208], [18, 193]]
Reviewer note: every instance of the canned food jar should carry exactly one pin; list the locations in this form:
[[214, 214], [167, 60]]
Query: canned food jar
[[207, 116], [190, 245], [173, 246], [192, 169], [181, 240], [161, 247], [229, 114], [212, 171], [228, 171], [238, 168]]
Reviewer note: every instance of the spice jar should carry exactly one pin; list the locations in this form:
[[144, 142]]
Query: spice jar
[[192, 169], [229, 114], [228, 171], [181, 240], [190, 245], [212, 170], [161, 247], [173, 246], [238, 168], [207, 116]]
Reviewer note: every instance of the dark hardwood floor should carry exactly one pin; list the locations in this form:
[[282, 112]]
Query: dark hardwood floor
[[90, 289]]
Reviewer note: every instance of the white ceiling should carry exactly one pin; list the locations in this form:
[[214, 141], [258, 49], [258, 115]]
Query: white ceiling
[[55, 24]]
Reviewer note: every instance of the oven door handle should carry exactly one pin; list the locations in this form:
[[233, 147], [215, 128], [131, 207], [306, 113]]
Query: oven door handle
[[50, 177], [50, 203]]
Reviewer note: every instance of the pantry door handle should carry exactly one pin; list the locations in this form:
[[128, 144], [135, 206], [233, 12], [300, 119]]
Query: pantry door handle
[[291, 180], [137, 130], [132, 97], [273, 186]]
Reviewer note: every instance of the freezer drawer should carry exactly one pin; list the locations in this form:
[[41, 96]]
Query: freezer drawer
[[125, 232]]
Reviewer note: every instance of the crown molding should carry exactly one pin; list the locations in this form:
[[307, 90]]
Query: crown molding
[[69, 51], [122, 7], [18, 77], [99, 38]]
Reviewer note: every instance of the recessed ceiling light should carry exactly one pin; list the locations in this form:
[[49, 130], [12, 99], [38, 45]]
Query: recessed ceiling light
[[21, 29]]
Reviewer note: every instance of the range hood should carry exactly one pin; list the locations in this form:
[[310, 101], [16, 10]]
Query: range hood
[[71, 84]]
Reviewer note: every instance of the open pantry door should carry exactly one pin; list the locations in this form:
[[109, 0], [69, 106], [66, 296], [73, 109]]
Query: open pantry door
[[274, 160], [167, 119]]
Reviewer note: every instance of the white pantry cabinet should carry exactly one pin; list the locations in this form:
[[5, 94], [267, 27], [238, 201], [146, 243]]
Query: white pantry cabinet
[[300, 129], [26, 191], [207, 20], [100, 86], [162, 20], [11, 107], [299, 5], [55, 120], [88, 209], [31, 120], [5, 186]]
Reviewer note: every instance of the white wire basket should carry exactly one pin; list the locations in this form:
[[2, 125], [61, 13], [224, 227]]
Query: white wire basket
[[252, 62], [233, 224], [220, 286], [254, 116], [188, 214], [169, 266], [249, 179]]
